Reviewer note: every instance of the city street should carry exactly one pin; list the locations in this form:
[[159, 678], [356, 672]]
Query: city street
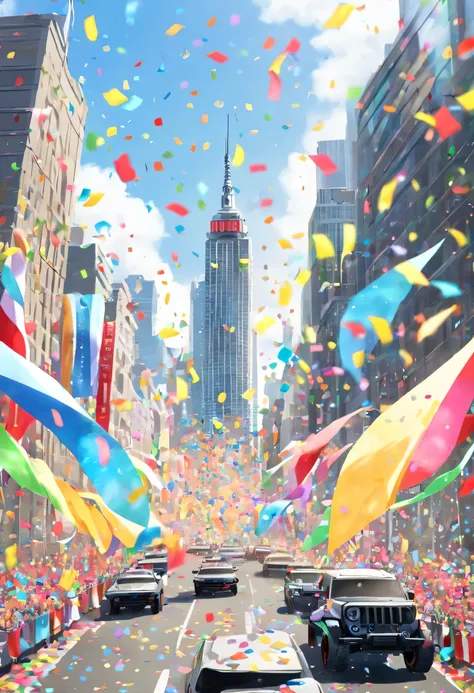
[[130, 652]]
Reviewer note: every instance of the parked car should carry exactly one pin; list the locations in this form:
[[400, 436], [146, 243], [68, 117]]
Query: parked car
[[369, 611], [157, 561], [234, 555], [216, 578], [136, 588], [276, 564], [216, 669], [200, 550], [301, 590]]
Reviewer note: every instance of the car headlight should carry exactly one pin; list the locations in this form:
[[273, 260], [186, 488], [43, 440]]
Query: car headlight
[[353, 614]]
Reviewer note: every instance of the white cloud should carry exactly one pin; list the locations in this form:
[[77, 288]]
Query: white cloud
[[7, 8], [132, 226]]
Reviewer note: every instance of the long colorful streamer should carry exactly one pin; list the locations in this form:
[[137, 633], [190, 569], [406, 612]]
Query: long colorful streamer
[[321, 532], [101, 457], [375, 466], [382, 299]]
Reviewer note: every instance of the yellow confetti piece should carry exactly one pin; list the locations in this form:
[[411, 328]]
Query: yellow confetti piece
[[204, 119], [111, 132], [285, 244], [11, 55], [221, 397], [215, 265], [415, 185], [182, 391], [297, 236], [189, 105], [11, 556], [217, 424], [318, 127], [248, 394], [340, 16], [264, 324], [277, 63], [346, 386], [407, 357], [467, 100], [432, 325], [114, 97], [332, 345], [386, 195], [358, 358], [350, 235], [284, 297], [426, 118], [412, 236], [447, 53], [194, 375], [126, 85], [167, 298], [382, 329], [174, 29], [239, 156], [310, 334], [90, 28], [412, 274], [459, 237], [168, 333], [219, 104], [206, 146], [324, 246], [177, 140], [93, 200], [248, 107], [303, 276], [136, 494], [304, 366]]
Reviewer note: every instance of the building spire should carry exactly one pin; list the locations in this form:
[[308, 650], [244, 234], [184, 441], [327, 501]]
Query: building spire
[[227, 199]]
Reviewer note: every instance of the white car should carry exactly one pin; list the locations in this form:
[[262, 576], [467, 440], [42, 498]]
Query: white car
[[276, 564], [233, 555], [136, 588], [277, 656]]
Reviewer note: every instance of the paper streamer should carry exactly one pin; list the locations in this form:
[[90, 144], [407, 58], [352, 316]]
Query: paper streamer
[[270, 514], [83, 321], [39, 394], [382, 299], [373, 470], [320, 534]]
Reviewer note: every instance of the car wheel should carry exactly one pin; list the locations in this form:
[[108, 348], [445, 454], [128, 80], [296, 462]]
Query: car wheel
[[155, 606], [311, 636], [197, 591], [334, 658], [265, 572], [114, 608], [420, 660], [233, 589]]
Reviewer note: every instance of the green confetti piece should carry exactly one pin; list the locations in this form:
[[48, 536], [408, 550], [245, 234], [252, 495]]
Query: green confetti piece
[[429, 201], [15, 166], [354, 92], [267, 117], [180, 188], [201, 205], [452, 150], [214, 74], [84, 273], [30, 255], [121, 50], [168, 155], [91, 141]]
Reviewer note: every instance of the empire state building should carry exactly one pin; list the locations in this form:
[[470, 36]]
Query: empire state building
[[228, 290]]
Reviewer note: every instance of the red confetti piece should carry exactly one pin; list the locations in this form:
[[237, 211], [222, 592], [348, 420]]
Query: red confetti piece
[[467, 487], [446, 124], [269, 43], [49, 137], [218, 57], [366, 207], [293, 46], [466, 46], [174, 257], [124, 169], [325, 163], [19, 81], [2, 220], [62, 164], [140, 315], [30, 327], [177, 209], [158, 122], [357, 330], [139, 64], [266, 202], [209, 618], [460, 189], [158, 166], [58, 529], [274, 90], [257, 168]]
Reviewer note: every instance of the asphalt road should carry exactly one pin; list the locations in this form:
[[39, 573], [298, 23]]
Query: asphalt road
[[128, 653]]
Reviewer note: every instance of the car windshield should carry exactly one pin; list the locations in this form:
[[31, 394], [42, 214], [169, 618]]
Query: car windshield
[[304, 577], [215, 571], [218, 681], [139, 580], [377, 589]]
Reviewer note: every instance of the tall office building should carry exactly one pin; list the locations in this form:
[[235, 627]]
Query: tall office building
[[150, 350], [228, 278], [197, 343]]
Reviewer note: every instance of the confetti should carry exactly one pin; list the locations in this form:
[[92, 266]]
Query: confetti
[[174, 29], [217, 57], [325, 163], [90, 28], [339, 17]]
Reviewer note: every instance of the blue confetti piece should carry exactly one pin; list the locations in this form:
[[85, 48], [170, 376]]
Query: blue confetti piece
[[133, 103], [285, 387], [204, 39], [237, 190], [161, 68], [179, 228], [149, 208], [194, 253], [179, 10], [167, 96], [285, 127], [84, 196]]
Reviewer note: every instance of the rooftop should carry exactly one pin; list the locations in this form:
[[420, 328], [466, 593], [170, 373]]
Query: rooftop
[[361, 573]]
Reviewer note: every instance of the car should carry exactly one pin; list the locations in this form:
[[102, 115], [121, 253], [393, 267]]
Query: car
[[215, 578], [272, 660], [156, 561], [210, 560], [136, 588], [234, 555], [367, 610], [299, 565], [301, 590], [200, 550], [276, 564], [250, 554], [262, 551]]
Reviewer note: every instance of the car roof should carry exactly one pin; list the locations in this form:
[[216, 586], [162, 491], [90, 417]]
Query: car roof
[[278, 555], [218, 565], [310, 569], [301, 564], [137, 573], [361, 573], [270, 651]]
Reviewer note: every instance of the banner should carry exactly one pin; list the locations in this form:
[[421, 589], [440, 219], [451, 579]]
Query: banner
[[83, 320], [106, 371]]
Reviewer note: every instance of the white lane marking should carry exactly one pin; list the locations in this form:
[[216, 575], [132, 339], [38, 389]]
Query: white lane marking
[[251, 588], [250, 622], [185, 624], [162, 681]]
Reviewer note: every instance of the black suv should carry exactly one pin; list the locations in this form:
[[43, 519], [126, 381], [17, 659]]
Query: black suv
[[370, 611]]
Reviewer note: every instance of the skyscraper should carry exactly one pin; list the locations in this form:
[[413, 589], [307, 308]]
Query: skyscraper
[[228, 279], [197, 342], [145, 305]]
